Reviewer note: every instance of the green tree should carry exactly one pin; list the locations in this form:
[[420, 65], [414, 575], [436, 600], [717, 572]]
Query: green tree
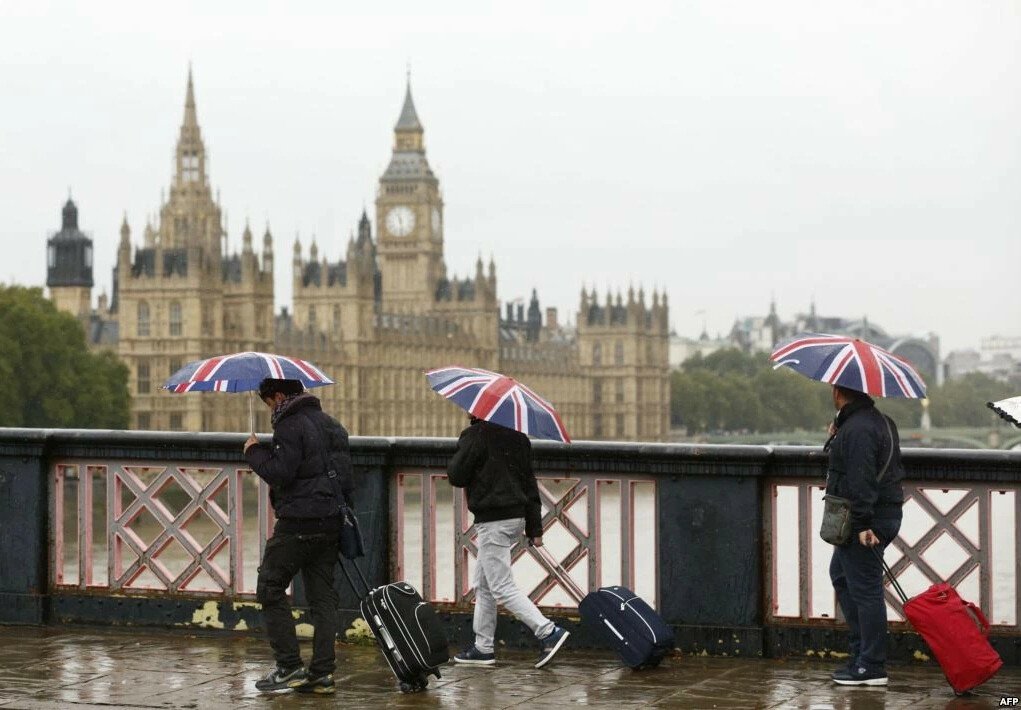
[[961, 402], [48, 376], [790, 401], [706, 401], [730, 390], [728, 361]]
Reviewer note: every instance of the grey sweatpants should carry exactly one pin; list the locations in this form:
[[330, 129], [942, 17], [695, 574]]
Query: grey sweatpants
[[494, 584]]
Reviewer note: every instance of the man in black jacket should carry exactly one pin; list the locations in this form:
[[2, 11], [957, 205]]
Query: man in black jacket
[[865, 468], [494, 464], [308, 469]]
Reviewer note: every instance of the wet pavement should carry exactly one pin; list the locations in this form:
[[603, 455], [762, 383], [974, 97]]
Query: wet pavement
[[88, 669]]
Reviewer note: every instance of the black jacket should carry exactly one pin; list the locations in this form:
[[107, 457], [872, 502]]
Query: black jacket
[[858, 451], [494, 464], [308, 445]]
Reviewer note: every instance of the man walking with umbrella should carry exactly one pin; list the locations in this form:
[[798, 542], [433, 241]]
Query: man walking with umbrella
[[864, 496], [493, 463], [309, 472]]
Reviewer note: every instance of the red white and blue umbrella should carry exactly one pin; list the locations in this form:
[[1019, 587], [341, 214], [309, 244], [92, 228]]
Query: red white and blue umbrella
[[851, 363], [242, 372], [500, 400]]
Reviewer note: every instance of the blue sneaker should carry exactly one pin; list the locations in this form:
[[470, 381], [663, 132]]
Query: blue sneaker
[[551, 644], [860, 676], [474, 657]]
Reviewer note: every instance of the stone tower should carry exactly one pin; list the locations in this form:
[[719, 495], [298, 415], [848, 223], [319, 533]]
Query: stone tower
[[622, 345], [69, 265], [183, 299], [409, 217]]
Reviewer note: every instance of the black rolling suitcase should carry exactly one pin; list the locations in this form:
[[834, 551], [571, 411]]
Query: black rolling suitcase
[[622, 618], [406, 628]]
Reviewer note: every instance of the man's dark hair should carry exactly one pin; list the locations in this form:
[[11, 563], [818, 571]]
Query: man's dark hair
[[269, 387]]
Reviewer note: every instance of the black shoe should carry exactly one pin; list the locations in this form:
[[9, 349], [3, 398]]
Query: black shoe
[[551, 644], [860, 676], [280, 679], [474, 657], [846, 668], [320, 685]]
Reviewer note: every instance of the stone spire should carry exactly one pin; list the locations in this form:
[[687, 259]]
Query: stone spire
[[191, 153], [190, 118], [408, 131], [125, 232], [246, 239], [408, 120], [267, 251], [364, 228]]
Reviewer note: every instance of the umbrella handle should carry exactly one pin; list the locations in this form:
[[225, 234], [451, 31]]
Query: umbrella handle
[[251, 411]]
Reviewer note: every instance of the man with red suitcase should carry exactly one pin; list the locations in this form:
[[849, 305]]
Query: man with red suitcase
[[865, 469]]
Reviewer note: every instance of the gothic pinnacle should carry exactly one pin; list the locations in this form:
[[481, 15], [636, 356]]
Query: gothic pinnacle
[[190, 118], [408, 120]]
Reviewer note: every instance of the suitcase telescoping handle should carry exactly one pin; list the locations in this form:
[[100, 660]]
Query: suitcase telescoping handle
[[889, 575], [350, 581], [558, 572], [976, 612]]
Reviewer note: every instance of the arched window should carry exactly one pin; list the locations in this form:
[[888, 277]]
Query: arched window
[[175, 318], [312, 317], [143, 319], [618, 353], [142, 381], [597, 354]]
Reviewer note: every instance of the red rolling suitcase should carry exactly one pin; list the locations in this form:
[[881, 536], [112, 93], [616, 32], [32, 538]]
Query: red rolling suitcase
[[955, 631]]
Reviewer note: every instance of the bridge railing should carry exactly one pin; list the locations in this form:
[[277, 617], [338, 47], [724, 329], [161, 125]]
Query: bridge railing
[[168, 528]]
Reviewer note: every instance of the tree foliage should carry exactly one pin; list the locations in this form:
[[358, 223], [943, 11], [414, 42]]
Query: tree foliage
[[48, 376], [962, 402], [733, 391]]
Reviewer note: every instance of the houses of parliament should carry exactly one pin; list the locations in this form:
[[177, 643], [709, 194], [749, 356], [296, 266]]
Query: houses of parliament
[[373, 317]]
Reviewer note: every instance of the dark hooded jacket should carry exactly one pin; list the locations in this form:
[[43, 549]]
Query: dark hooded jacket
[[858, 452], [494, 464], [308, 466]]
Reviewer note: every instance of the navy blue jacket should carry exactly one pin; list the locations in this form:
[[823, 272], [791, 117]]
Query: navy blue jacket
[[858, 451]]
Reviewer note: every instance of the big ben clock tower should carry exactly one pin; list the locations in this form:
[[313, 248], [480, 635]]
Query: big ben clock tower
[[409, 215]]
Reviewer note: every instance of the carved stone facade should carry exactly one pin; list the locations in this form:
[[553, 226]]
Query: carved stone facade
[[374, 320]]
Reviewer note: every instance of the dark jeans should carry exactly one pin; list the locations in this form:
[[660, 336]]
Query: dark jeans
[[314, 556], [857, 576]]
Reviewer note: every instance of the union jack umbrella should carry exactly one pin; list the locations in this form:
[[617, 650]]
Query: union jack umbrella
[[851, 363], [500, 400], [1009, 409], [242, 372]]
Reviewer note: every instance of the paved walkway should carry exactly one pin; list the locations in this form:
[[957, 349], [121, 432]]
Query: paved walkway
[[82, 668]]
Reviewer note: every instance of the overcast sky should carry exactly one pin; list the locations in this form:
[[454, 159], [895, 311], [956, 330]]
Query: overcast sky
[[864, 153]]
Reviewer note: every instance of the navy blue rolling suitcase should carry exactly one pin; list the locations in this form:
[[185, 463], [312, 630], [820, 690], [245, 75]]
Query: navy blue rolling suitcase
[[622, 618]]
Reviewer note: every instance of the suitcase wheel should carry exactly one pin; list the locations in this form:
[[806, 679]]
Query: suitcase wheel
[[416, 686]]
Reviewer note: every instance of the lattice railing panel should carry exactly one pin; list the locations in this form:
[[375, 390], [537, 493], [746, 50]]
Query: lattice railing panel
[[966, 535], [602, 528]]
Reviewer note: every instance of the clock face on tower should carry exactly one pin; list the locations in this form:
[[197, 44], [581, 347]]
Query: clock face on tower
[[436, 220], [400, 221]]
